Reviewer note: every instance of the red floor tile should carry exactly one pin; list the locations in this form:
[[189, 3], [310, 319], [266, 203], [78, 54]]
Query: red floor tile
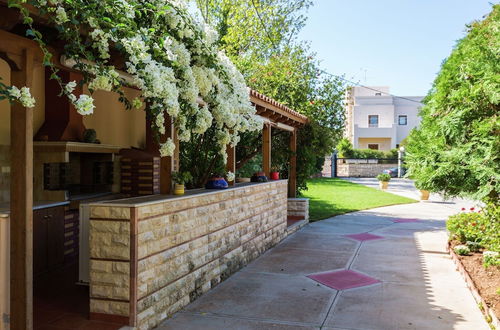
[[343, 279]]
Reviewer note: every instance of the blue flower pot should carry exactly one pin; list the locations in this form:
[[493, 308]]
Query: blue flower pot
[[216, 183]]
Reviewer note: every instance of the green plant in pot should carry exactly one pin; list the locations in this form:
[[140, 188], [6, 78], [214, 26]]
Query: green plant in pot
[[180, 179], [424, 193], [383, 180]]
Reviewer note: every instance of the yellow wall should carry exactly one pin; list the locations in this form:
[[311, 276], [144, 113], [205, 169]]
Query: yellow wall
[[383, 143], [37, 91], [114, 124]]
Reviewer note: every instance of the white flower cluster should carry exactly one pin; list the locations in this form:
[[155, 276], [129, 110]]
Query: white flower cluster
[[85, 105], [230, 176], [23, 96], [173, 60], [167, 148]]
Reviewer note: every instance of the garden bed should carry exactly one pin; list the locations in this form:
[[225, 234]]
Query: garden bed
[[483, 282]]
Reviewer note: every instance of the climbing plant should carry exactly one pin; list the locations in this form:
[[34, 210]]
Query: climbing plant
[[169, 55]]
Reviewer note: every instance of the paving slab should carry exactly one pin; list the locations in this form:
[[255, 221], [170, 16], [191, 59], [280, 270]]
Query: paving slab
[[392, 306], [191, 321], [268, 296], [286, 260]]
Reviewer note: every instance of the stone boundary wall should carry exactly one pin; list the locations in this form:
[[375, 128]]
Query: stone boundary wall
[[362, 170], [150, 260]]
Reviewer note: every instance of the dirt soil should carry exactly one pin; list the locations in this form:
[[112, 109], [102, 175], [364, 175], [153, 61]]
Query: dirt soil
[[487, 280]]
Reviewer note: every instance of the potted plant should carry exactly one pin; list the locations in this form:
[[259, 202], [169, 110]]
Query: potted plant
[[383, 179], [216, 181], [424, 193], [180, 179], [259, 177], [274, 175]]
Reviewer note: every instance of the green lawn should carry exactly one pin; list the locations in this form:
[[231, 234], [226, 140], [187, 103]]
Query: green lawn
[[329, 197]]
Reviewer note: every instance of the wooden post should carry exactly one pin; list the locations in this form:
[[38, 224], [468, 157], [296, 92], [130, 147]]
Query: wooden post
[[231, 161], [266, 149], [292, 177], [167, 164], [21, 202]]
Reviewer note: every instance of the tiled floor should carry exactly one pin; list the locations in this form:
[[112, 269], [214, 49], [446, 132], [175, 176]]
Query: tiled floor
[[58, 303]]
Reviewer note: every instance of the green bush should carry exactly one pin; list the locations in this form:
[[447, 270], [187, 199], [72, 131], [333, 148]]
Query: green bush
[[384, 177], [345, 150], [481, 227], [491, 258]]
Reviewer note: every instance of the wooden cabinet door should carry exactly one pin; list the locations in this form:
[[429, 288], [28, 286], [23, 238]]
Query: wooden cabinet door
[[40, 238], [55, 244]]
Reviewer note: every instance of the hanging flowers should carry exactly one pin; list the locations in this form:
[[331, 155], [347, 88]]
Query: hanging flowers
[[172, 58]]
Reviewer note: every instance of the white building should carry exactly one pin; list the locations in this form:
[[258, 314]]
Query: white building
[[377, 120]]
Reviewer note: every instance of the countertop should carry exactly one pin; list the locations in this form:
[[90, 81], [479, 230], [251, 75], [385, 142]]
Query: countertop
[[38, 205], [154, 199]]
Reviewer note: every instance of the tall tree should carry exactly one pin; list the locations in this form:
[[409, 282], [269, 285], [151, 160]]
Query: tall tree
[[456, 149], [260, 38]]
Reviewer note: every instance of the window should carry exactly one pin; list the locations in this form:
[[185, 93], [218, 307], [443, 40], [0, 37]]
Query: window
[[373, 121], [378, 94], [373, 146], [403, 120]]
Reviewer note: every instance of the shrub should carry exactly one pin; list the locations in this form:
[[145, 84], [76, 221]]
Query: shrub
[[462, 250], [346, 150], [474, 246], [384, 177], [491, 258], [481, 227]]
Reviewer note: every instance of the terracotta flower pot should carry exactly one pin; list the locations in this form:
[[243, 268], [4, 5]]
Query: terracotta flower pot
[[383, 184], [275, 175], [178, 189], [424, 195]]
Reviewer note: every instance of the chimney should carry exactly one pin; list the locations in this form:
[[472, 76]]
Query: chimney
[[62, 122]]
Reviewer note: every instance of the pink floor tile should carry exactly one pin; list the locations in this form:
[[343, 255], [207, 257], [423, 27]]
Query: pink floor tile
[[343, 279], [405, 220], [364, 237]]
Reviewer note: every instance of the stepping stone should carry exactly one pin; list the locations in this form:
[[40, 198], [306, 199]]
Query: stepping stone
[[343, 279], [405, 220], [364, 237]]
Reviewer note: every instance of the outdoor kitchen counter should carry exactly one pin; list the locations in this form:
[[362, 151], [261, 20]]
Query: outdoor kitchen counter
[[150, 256], [38, 205]]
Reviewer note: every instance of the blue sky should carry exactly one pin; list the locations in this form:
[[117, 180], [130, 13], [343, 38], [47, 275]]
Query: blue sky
[[396, 43]]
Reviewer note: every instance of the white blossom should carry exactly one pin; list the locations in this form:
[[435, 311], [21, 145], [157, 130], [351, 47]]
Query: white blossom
[[61, 16], [167, 148], [85, 105], [22, 95]]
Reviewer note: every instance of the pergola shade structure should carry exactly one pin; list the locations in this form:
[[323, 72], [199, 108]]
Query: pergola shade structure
[[278, 116]]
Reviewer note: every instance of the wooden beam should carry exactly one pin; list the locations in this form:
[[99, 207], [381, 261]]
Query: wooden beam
[[259, 102], [266, 149], [231, 161], [21, 204], [292, 177]]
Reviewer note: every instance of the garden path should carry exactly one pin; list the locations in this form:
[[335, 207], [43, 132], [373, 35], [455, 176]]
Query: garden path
[[410, 281]]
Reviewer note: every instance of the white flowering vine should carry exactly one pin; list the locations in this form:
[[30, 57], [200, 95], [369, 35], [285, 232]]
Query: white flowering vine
[[171, 57]]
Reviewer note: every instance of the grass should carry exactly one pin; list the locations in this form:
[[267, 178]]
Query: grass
[[329, 197]]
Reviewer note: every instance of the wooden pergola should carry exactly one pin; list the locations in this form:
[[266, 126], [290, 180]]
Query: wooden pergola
[[278, 116], [22, 54]]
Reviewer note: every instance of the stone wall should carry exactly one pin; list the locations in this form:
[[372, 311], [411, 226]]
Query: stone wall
[[366, 170], [149, 260], [298, 207]]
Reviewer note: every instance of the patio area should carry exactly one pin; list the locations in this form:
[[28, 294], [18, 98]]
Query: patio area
[[399, 277]]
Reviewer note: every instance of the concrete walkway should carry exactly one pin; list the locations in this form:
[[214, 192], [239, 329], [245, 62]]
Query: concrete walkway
[[418, 289]]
